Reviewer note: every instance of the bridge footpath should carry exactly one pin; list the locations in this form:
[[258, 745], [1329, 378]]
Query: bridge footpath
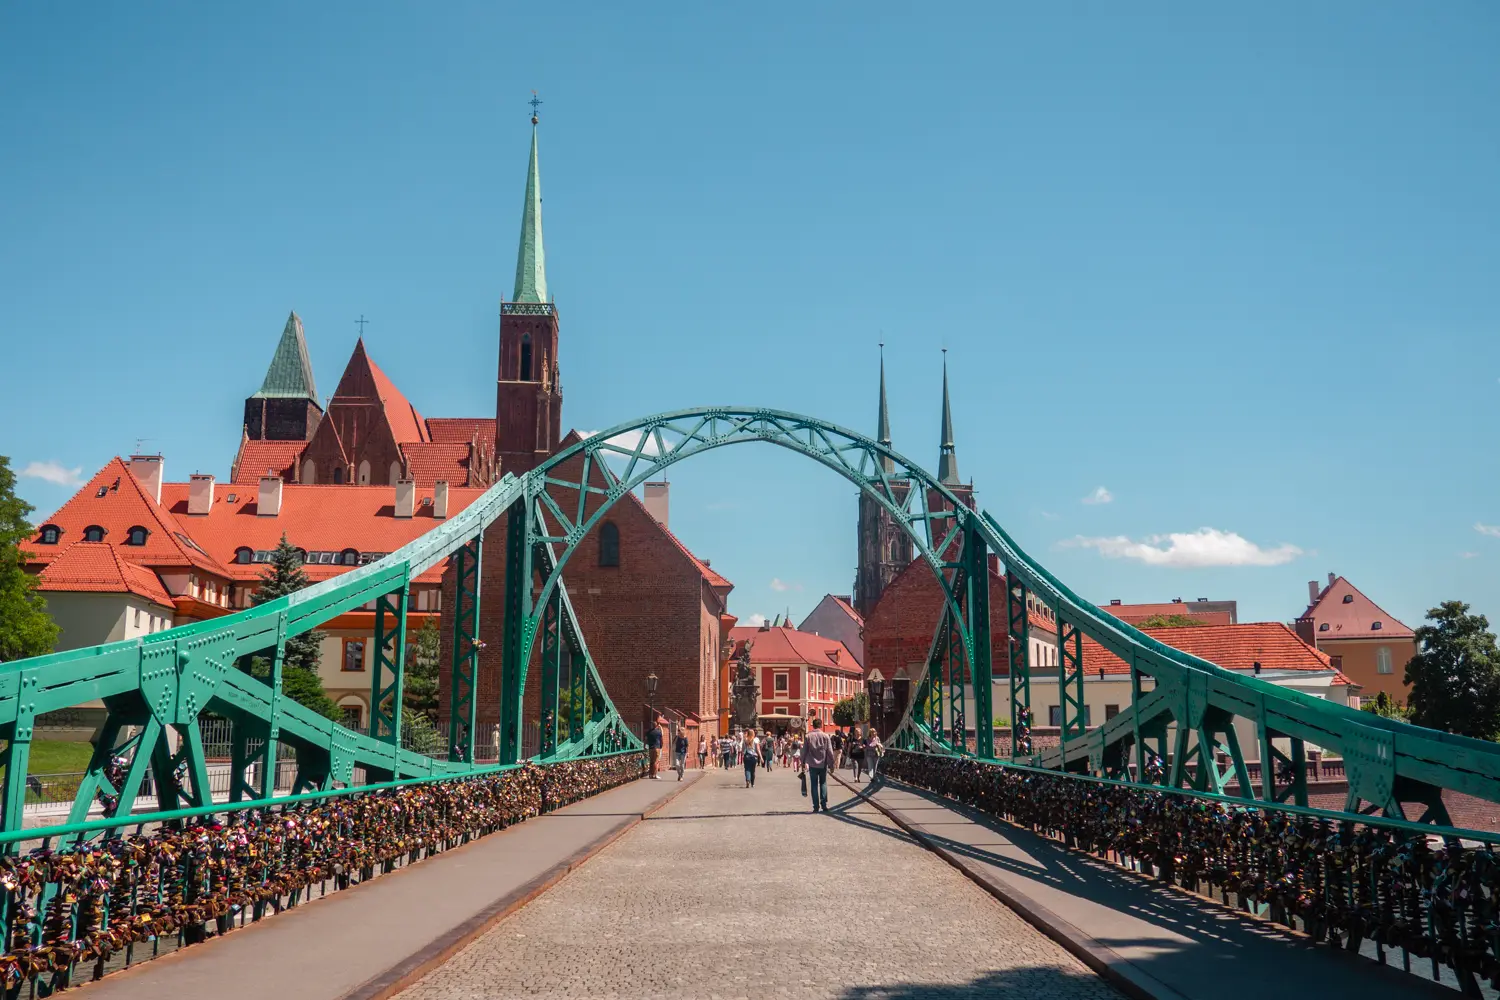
[[363, 942]]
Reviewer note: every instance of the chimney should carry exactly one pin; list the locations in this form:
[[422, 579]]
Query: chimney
[[147, 469], [1312, 591], [439, 499], [200, 493], [656, 502], [1114, 602], [406, 498], [1331, 578], [268, 502]]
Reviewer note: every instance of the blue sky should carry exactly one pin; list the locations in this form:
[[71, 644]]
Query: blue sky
[[1236, 266]]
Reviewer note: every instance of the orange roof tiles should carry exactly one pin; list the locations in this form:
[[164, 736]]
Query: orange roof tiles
[[314, 518], [97, 567], [461, 430], [406, 423], [124, 504], [1239, 647], [781, 644], [1354, 618], [265, 458], [428, 462]]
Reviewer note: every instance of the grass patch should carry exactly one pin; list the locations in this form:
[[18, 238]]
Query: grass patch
[[59, 757]]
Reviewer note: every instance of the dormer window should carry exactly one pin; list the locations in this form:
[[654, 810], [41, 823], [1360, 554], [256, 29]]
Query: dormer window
[[1376, 626], [50, 534], [1323, 627], [243, 555], [93, 533], [350, 557], [136, 535], [1348, 598]]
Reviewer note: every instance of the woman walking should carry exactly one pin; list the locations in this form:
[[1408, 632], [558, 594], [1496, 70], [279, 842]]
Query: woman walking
[[702, 751], [873, 751], [856, 753], [751, 757]]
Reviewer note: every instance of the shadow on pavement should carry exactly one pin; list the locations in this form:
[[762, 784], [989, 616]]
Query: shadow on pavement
[[1030, 981]]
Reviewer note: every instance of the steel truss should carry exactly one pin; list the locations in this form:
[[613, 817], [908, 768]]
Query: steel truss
[[1179, 730]]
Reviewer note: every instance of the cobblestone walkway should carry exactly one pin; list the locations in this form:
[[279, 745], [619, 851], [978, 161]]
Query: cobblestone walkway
[[730, 893]]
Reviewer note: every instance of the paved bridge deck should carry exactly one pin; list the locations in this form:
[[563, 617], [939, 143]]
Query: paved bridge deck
[[728, 892]]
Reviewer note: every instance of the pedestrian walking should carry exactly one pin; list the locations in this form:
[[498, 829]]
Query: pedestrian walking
[[702, 752], [679, 752], [857, 755], [653, 746], [818, 756], [873, 752], [726, 752], [751, 757]]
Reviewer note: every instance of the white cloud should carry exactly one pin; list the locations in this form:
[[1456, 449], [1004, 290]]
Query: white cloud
[[756, 620], [54, 472], [629, 440], [779, 585], [1468, 555], [1048, 515], [1100, 495], [1484, 529], [1190, 550]]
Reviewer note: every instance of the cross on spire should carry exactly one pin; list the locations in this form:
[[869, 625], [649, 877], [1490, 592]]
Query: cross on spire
[[361, 324], [535, 103]]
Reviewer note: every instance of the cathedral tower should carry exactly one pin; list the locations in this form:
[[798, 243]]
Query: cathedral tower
[[884, 548], [947, 471], [286, 408], [528, 399]]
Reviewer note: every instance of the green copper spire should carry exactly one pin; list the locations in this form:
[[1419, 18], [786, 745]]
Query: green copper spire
[[883, 435], [947, 456], [290, 375], [531, 259]]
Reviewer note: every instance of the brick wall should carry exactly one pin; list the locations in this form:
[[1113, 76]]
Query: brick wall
[[898, 633]]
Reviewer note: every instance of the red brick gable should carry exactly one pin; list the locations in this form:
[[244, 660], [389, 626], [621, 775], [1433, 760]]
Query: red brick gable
[[1351, 619]]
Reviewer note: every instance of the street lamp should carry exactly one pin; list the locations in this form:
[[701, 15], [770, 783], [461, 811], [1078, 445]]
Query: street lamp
[[651, 680]]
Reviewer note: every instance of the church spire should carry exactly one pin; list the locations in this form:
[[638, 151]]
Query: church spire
[[883, 434], [531, 260], [947, 454], [290, 375]]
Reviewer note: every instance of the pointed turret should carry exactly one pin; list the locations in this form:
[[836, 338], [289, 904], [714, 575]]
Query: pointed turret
[[947, 455], [290, 375], [531, 259], [883, 433]]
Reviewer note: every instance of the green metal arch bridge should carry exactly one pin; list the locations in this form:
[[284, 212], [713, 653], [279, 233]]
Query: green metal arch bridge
[[167, 680]]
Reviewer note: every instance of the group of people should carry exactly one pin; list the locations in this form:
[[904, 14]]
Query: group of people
[[812, 755]]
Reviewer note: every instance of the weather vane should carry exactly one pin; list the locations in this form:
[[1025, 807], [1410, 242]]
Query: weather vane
[[535, 103]]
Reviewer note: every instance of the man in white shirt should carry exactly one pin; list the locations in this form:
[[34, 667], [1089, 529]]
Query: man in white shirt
[[818, 756]]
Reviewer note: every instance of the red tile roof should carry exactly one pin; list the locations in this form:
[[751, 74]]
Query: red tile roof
[[1351, 620], [97, 567], [123, 505], [461, 430], [781, 644], [407, 424], [427, 462], [265, 458], [1233, 647], [315, 518]]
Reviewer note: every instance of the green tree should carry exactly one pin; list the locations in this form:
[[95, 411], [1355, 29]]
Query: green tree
[[421, 684], [25, 627], [1386, 707], [1170, 621], [299, 665], [1455, 676], [848, 711]]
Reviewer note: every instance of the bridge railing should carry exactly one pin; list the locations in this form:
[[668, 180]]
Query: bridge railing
[[1362, 883]]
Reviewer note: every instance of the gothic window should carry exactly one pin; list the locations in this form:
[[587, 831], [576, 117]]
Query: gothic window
[[364, 473], [395, 473], [136, 535], [93, 533], [609, 544], [526, 358], [338, 475], [50, 534], [309, 473]]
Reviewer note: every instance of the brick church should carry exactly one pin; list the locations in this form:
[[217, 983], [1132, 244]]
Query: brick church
[[646, 603]]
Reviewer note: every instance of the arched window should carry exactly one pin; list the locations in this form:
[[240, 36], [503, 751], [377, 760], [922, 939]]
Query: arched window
[[395, 473], [309, 473], [350, 557], [136, 535], [526, 357], [609, 544], [244, 555], [302, 555], [93, 533], [338, 475], [364, 473], [50, 534], [1383, 660]]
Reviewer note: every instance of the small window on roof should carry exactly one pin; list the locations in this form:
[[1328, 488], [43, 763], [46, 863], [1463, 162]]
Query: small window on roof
[[50, 534], [93, 533], [136, 535], [1376, 626], [1323, 627], [244, 554], [350, 557], [232, 498], [1348, 598], [102, 491]]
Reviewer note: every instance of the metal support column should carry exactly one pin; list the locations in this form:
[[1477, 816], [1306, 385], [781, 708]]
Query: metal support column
[[552, 646], [977, 608], [519, 628], [463, 703], [1070, 682], [1020, 668], [388, 674]]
